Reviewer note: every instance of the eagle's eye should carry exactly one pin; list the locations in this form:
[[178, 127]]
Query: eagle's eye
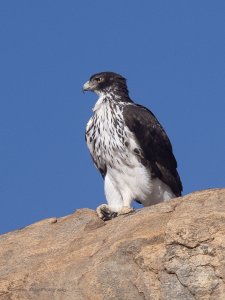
[[98, 79]]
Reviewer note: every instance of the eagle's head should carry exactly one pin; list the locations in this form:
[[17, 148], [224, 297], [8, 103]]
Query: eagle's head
[[106, 82]]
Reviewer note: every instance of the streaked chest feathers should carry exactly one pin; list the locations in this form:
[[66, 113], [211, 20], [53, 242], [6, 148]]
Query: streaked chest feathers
[[109, 140]]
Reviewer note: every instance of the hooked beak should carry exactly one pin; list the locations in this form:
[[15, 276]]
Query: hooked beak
[[87, 86]]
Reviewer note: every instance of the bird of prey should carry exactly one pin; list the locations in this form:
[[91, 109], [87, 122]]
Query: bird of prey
[[130, 149]]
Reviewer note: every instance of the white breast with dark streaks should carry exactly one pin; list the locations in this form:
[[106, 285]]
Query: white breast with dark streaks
[[108, 139]]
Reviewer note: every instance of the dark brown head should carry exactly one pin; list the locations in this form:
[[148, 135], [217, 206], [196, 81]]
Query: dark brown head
[[106, 82]]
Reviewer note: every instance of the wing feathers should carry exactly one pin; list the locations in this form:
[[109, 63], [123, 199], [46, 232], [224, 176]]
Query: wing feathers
[[155, 144]]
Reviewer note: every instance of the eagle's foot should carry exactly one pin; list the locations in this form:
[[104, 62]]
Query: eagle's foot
[[125, 210], [105, 213]]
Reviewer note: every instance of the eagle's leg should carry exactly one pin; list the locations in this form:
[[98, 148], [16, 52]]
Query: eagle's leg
[[105, 213], [117, 204]]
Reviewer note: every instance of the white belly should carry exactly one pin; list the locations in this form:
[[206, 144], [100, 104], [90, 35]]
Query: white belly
[[132, 182], [135, 184]]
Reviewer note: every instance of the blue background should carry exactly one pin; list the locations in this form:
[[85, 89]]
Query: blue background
[[171, 52]]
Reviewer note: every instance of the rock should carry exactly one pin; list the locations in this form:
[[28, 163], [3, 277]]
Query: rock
[[173, 250]]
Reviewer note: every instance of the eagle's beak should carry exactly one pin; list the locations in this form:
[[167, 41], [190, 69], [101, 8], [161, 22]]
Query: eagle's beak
[[87, 86]]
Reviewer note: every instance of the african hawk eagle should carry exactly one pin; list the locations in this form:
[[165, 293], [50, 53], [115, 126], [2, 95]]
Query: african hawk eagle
[[130, 149]]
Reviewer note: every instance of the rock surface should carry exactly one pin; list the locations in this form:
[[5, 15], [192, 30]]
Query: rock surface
[[173, 250]]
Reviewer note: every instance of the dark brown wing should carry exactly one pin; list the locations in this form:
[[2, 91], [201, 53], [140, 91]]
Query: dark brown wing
[[155, 144]]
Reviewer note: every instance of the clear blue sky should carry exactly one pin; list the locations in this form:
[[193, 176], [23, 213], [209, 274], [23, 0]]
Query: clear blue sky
[[173, 56]]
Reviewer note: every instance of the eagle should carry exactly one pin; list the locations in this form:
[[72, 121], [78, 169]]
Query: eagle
[[129, 147]]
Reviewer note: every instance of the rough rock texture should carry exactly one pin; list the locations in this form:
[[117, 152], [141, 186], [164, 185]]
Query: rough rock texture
[[174, 250]]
